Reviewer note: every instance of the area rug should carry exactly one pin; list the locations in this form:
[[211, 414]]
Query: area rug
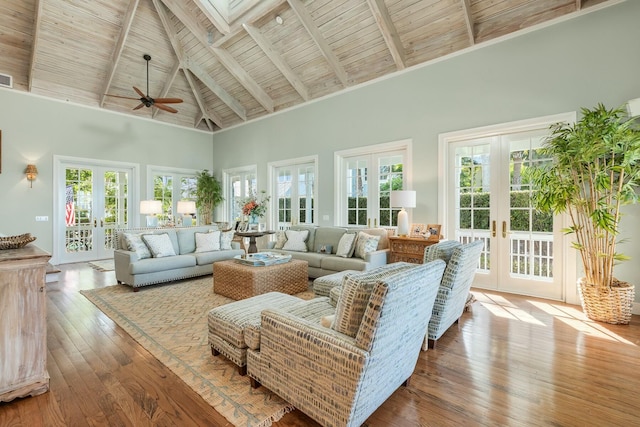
[[104, 265], [170, 321]]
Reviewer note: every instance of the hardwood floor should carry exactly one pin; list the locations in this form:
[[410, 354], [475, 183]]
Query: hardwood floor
[[512, 361]]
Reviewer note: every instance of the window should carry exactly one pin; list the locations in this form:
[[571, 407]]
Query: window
[[365, 178], [170, 186], [239, 183], [293, 186]]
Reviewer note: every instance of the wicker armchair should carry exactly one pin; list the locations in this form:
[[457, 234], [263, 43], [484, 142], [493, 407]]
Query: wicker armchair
[[462, 261], [340, 375]]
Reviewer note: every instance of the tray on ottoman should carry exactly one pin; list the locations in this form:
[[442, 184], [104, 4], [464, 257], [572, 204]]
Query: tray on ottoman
[[238, 281]]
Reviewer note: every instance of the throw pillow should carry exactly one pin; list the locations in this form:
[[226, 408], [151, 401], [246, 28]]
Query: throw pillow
[[346, 245], [159, 245], [225, 240], [296, 240], [365, 243], [135, 244], [207, 242], [281, 239]]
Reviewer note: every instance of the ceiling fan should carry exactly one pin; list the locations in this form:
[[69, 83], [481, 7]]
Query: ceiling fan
[[146, 100]]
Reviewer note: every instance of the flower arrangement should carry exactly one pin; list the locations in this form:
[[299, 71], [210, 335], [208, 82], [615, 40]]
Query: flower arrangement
[[253, 207]]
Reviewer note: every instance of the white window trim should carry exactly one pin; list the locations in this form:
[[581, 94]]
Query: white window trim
[[226, 185], [406, 145], [273, 203], [570, 273]]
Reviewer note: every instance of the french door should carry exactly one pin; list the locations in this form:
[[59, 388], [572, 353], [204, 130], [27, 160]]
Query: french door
[[93, 201], [295, 193], [488, 199]]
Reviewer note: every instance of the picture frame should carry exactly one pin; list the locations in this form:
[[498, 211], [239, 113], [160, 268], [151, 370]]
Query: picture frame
[[433, 232], [243, 226], [417, 230]]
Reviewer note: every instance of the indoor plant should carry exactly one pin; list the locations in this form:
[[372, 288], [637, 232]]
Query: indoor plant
[[208, 195], [595, 170]]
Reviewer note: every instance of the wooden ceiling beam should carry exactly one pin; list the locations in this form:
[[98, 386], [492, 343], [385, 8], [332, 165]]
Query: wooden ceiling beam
[[203, 109], [578, 4], [218, 90], [169, 29], [389, 32], [37, 21], [213, 15], [167, 85], [468, 20], [269, 50], [200, 118], [225, 58], [117, 51], [307, 21], [250, 17]]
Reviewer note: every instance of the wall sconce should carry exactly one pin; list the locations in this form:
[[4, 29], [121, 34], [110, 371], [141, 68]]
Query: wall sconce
[[403, 199], [31, 172], [186, 208], [151, 208]]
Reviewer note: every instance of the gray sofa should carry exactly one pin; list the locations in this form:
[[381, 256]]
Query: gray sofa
[[136, 272], [321, 264]]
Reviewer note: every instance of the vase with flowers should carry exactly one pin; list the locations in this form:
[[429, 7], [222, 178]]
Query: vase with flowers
[[254, 207]]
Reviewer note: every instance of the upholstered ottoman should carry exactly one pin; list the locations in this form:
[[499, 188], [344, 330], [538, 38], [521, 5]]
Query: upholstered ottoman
[[322, 285], [227, 324], [235, 327], [238, 281]]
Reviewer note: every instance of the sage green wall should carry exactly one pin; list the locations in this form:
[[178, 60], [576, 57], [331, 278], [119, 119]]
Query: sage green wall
[[589, 59], [35, 129]]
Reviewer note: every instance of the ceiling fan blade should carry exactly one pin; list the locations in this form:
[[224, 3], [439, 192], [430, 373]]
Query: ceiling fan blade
[[168, 100], [165, 108], [123, 97], [139, 106], [139, 92]]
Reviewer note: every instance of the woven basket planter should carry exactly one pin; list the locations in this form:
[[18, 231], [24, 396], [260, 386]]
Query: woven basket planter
[[612, 306]]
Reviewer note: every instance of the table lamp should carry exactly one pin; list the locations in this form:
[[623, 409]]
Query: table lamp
[[186, 208], [403, 199], [151, 208]]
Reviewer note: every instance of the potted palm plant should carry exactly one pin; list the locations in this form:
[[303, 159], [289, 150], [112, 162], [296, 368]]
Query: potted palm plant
[[595, 170], [208, 195]]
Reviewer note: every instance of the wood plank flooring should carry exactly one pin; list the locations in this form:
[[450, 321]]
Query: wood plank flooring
[[512, 361]]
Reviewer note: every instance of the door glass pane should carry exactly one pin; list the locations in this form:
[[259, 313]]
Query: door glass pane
[[163, 191], [357, 189], [284, 183], [306, 205], [116, 213], [78, 209], [390, 178], [531, 232]]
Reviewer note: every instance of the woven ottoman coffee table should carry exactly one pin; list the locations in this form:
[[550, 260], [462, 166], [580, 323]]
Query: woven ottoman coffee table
[[238, 281]]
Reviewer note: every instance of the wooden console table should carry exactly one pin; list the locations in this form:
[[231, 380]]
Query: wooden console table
[[408, 249], [23, 323]]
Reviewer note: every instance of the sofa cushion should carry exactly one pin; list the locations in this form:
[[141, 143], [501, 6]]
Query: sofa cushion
[[365, 243], [356, 291], [383, 243], [135, 244], [206, 242], [346, 245], [153, 265], [204, 258], [328, 236], [159, 245], [336, 263], [296, 240], [226, 237]]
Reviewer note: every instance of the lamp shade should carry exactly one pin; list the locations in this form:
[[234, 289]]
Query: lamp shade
[[150, 207], [186, 207], [403, 199]]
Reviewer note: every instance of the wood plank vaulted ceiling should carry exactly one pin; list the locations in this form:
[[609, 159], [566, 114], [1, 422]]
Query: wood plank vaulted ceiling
[[232, 61]]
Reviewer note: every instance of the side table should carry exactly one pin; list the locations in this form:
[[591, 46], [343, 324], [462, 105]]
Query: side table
[[253, 235], [408, 249]]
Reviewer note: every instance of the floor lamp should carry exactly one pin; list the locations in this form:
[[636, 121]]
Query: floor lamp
[[186, 208], [403, 199], [151, 208]]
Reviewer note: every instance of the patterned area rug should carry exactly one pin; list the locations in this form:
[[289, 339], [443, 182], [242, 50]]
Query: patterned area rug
[[104, 265], [170, 321]]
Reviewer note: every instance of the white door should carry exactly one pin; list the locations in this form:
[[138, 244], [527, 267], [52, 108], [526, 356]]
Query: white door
[[93, 201], [489, 201]]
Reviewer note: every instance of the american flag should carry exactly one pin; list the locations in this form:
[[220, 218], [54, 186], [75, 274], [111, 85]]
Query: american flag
[[69, 210]]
